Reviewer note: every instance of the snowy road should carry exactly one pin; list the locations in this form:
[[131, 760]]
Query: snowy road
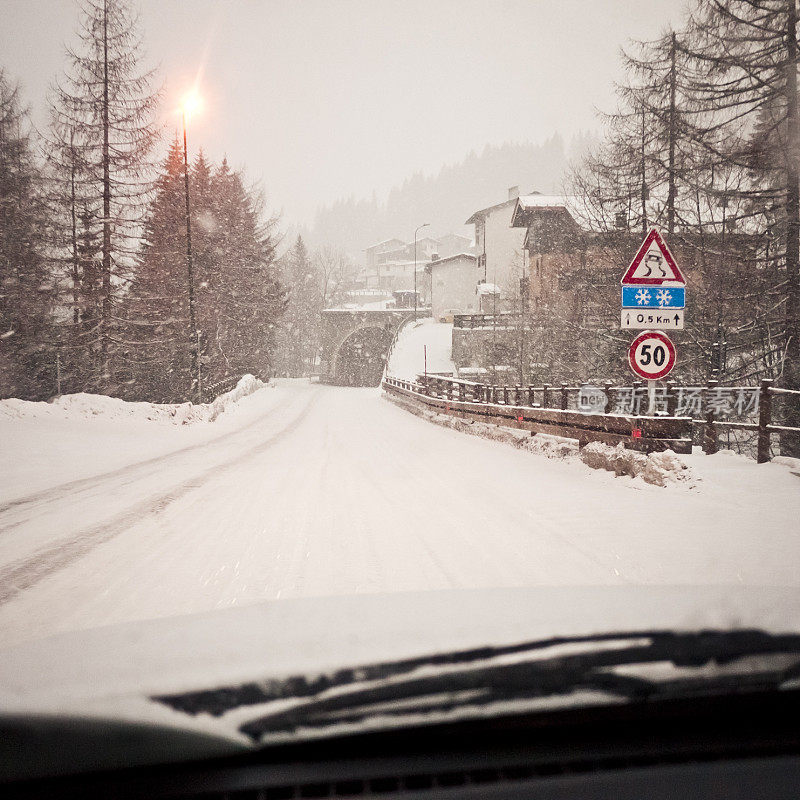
[[338, 491]]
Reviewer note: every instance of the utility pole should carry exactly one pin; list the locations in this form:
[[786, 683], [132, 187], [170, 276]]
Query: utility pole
[[195, 334], [424, 225]]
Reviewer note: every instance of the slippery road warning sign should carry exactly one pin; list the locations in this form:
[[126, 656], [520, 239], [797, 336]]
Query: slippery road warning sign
[[653, 264], [651, 355]]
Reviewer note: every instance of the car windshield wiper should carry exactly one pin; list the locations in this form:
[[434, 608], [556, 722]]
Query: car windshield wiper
[[615, 665]]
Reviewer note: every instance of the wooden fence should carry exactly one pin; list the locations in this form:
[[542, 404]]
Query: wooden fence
[[214, 390], [552, 409]]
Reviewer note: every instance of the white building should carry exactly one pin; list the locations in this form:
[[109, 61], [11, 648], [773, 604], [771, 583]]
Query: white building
[[452, 284], [499, 246]]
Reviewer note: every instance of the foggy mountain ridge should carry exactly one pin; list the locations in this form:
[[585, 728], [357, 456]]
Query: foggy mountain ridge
[[445, 199]]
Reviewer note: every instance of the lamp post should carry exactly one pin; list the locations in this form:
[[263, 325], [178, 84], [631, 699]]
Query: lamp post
[[424, 225], [190, 103]]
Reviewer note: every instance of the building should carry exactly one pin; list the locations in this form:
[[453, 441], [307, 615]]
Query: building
[[452, 284], [377, 253], [499, 246], [453, 244], [390, 264], [561, 255]]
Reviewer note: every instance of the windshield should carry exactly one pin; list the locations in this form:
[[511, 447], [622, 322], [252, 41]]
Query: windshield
[[338, 335]]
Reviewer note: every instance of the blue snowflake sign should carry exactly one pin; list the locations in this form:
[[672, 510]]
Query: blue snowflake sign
[[653, 296]]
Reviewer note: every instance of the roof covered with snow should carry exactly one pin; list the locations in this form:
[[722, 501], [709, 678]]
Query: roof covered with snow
[[484, 212], [456, 257]]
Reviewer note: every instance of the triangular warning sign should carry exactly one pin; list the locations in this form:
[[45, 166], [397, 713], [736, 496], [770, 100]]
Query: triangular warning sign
[[653, 264]]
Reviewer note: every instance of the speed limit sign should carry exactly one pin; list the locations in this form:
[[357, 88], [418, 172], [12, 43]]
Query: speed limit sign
[[652, 355]]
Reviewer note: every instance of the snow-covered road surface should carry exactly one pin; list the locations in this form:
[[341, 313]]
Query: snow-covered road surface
[[329, 491]]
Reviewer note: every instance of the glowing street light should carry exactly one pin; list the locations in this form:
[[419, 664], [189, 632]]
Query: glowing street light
[[191, 104]]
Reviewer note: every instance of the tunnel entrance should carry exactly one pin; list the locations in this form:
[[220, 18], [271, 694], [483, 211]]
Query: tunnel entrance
[[362, 357]]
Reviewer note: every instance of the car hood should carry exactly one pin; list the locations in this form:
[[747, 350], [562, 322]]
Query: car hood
[[87, 700], [113, 671]]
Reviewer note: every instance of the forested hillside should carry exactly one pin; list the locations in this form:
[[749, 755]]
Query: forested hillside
[[448, 198]]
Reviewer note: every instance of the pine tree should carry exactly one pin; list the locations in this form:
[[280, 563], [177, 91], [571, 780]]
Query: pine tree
[[27, 360], [238, 299], [242, 298], [299, 331], [744, 87], [156, 309], [102, 135]]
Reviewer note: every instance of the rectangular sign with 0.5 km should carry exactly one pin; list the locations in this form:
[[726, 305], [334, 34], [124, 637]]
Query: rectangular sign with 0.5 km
[[668, 320]]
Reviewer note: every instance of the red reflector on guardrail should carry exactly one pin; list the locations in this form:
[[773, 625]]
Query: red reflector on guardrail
[[636, 433]]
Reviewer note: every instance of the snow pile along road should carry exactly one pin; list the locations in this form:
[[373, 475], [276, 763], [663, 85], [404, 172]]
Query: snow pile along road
[[658, 469], [87, 406], [80, 435]]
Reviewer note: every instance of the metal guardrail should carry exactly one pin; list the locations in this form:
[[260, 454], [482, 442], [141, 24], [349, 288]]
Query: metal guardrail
[[636, 433], [503, 320], [516, 407]]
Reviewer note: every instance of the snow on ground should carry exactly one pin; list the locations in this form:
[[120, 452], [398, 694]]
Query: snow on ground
[[80, 435], [336, 491], [407, 359]]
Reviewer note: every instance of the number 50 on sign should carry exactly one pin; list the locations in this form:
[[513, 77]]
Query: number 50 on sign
[[651, 355]]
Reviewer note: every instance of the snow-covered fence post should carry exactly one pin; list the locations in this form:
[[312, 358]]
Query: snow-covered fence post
[[531, 396], [607, 390], [710, 445], [546, 396], [505, 396], [764, 415], [564, 397]]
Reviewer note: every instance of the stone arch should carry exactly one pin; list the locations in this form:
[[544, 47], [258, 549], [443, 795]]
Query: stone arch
[[360, 357]]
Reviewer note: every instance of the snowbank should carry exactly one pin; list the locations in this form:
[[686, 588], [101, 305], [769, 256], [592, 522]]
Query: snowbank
[[88, 406], [658, 469]]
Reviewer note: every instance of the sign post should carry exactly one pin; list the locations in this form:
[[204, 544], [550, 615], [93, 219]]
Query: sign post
[[653, 299]]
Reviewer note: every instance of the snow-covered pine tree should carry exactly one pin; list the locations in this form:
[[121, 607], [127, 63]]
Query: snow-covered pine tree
[[300, 326], [156, 307], [27, 357], [102, 138], [241, 297]]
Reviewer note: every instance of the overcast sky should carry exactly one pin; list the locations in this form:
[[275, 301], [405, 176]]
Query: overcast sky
[[321, 99]]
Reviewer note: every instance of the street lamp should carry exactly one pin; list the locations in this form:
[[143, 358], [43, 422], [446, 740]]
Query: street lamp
[[191, 103], [424, 225]]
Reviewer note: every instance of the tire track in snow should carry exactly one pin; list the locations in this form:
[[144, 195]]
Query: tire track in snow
[[24, 573], [131, 471]]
